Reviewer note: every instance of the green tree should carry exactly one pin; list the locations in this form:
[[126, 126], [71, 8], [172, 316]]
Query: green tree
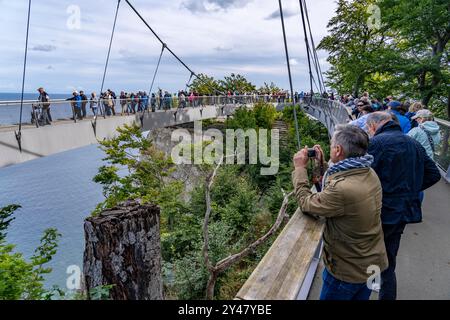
[[243, 118], [236, 82], [353, 47], [146, 174], [265, 115], [20, 279], [408, 55], [205, 85], [271, 88], [421, 36]]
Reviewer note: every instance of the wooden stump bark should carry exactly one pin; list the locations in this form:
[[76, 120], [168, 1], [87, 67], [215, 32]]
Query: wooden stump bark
[[123, 249]]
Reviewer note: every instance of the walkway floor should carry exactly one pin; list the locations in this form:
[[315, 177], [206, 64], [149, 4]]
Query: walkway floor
[[5, 128], [423, 264]]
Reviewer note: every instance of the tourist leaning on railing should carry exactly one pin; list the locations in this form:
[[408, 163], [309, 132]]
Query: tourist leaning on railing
[[93, 103], [123, 103], [76, 105], [84, 101], [351, 203], [44, 101]]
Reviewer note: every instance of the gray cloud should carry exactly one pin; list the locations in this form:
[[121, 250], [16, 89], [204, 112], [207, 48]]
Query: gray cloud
[[226, 38], [223, 49], [194, 6], [44, 48], [197, 6], [287, 13]]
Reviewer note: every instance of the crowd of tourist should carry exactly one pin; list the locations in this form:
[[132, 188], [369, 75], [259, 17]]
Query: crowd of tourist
[[413, 118], [110, 104], [372, 187]]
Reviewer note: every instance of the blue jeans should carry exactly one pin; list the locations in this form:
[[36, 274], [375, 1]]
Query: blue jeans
[[392, 236], [334, 289]]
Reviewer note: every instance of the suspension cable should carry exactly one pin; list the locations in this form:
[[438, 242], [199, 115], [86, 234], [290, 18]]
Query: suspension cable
[[315, 84], [107, 59], [157, 67], [157, 37], [314, 48], [189, 82], [290, 76], [309, 51], [316, 68], [168, 49], [19, 133], [307, 47]]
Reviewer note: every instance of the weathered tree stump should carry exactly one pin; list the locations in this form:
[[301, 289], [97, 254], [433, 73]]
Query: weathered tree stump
[[123, 249]]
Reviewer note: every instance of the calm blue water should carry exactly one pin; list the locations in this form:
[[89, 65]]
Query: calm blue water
[[55, 192], [10, 115]]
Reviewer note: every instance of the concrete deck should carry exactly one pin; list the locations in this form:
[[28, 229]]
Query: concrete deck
[[65, 135], [423, 263]]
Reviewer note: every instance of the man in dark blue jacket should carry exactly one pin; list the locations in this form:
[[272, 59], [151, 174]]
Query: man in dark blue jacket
[[405, 123], [404, 170], [77, 100]]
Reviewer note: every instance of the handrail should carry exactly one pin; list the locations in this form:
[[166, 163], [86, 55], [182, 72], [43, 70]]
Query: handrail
[[64, 109], [332, 112], [245, 97], [283, 272]]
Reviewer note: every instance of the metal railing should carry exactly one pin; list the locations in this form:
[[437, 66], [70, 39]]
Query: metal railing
[[332, 113], [329, 112], [442, 152], [62, 109]]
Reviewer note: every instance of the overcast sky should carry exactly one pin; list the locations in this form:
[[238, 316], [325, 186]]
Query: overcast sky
[[216, 37]]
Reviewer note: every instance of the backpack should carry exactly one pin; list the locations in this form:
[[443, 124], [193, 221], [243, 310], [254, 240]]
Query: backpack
[[45, 101]]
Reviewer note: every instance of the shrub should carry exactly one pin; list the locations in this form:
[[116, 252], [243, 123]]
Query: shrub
[[20, 279]]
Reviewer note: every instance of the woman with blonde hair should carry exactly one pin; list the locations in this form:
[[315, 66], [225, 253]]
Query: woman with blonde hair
[[416, 106], [413, 108]]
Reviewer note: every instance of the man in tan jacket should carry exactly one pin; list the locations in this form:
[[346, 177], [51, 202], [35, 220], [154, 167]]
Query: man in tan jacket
[[351, 202]]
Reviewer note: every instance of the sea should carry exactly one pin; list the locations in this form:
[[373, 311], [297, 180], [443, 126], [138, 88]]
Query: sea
[[55, 192], [10, 114]]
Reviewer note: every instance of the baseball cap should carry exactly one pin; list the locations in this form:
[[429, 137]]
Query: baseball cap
[[424, 113], [394, 105]]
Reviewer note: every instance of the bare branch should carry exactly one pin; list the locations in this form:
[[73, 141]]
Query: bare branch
[[222, 265], [225, 263], [208, 184]]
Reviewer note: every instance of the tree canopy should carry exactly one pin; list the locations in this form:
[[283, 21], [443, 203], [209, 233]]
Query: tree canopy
[[406, 54], [205, 85]]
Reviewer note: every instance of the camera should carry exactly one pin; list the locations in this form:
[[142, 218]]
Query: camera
[[311, 153]]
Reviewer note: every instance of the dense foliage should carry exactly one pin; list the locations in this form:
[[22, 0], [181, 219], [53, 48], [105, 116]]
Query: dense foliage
[[407, 56], [137, 170], [19, 278], [235, 83], [244, 203]]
